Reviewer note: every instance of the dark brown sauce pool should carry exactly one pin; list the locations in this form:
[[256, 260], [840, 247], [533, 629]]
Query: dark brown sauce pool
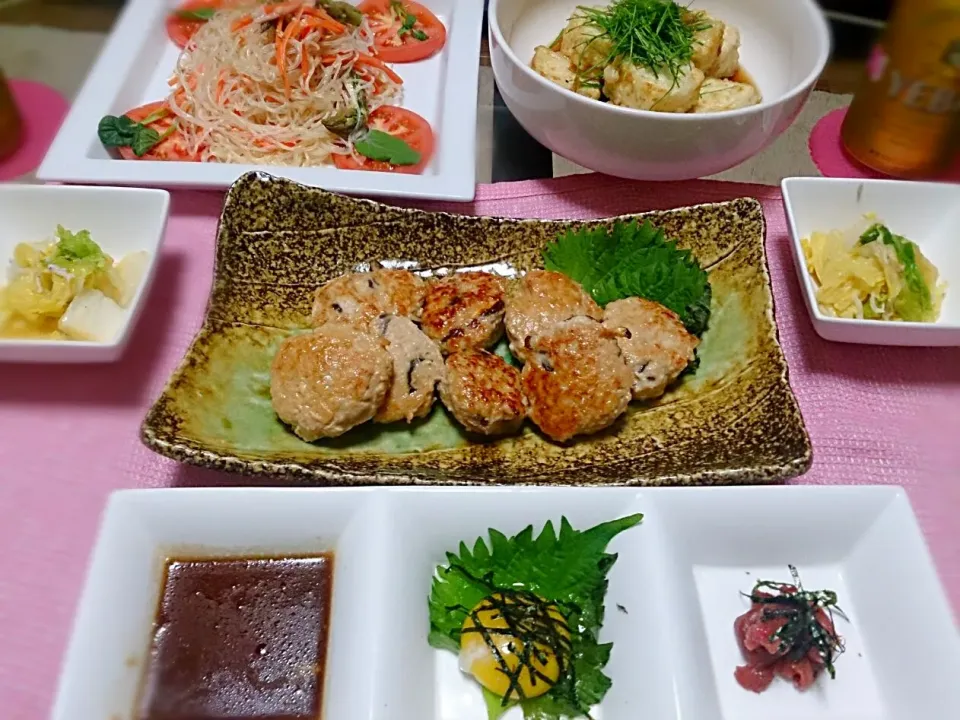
[[240, 638]]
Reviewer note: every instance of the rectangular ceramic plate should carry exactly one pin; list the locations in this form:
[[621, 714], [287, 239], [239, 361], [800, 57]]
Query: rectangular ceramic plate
[[138, 58], [734, 421], [673, 594]]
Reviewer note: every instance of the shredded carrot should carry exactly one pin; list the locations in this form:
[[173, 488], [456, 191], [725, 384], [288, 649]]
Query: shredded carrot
[[282, 8], [241, 23], [331, 26], [364, 59], [282, 42], [277, 11], [320, 14]]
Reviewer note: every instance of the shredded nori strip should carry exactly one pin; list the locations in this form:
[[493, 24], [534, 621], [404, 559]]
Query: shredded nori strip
[[803, 630], [527, 618]]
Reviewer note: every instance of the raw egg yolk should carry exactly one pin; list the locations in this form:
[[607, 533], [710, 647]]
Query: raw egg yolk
[[505, 624]]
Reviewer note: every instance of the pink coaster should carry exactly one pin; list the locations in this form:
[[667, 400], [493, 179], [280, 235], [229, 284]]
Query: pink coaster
[[832, 159], [42, 110]]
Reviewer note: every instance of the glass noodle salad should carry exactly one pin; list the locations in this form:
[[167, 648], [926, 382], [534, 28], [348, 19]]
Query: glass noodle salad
[[869, 272], [301, 83]]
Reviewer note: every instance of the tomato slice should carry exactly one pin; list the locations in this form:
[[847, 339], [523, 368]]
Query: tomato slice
[[404, 124], [171, 147], [181, 29], [404, 30]]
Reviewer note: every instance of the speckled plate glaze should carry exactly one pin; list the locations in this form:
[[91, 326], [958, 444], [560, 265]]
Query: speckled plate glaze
[[734, 421]]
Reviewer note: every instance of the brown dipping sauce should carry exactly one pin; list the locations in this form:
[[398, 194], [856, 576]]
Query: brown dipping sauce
[[240, 638]]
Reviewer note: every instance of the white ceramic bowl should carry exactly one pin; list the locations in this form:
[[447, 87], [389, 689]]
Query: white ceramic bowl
[[926, 213], [786, 44], [120, 220]]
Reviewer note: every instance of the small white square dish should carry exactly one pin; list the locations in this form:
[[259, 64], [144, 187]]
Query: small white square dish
[[926, 213], [676, 585], [127, 224], [139, 58]]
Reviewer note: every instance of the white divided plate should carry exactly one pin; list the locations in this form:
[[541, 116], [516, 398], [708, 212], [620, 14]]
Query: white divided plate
[[673, 595], [138, 59]]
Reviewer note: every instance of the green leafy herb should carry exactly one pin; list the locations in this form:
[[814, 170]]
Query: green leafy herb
[[409, 21], [202, 14], [77, 251], [384, 147], [915, 301], [655, 34], [116, 131], [634, 260], [121, 131], [569, 569]]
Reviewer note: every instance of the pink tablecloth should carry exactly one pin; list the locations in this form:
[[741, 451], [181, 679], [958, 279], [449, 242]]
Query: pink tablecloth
[[68, 435]]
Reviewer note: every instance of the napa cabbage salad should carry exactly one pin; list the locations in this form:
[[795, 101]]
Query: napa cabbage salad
[[870, 273], [68, 289]]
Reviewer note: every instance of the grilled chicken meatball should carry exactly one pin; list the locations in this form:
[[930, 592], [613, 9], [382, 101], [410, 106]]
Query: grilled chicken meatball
[[331, 380], [655, 344], [539, 301], [417, 369], [483, 392], [464, 311], [638, 87], [576, 381], [363, 297], [402, 291], [719, 95]]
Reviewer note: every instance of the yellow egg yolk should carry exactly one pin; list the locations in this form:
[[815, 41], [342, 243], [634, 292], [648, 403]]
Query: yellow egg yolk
[[516, 645]]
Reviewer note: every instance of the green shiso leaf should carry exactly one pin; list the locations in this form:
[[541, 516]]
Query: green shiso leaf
[[568, 568], [634, 260]]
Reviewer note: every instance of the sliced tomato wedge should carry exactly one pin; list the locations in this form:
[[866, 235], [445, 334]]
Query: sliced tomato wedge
[[180, 29], [171, 147], [402, 123], [404, 30]]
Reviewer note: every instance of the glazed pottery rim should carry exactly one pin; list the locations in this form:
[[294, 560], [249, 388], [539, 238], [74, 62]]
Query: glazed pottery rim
[[327, 472]]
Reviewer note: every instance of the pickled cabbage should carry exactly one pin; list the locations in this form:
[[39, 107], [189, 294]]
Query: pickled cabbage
[[45, 278], [871, 273]]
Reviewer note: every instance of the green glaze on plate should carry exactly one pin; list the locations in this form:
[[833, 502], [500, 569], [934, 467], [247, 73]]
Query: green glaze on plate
[[734, 421]]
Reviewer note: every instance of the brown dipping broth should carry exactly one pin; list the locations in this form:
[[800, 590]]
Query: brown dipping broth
[[239, 638]]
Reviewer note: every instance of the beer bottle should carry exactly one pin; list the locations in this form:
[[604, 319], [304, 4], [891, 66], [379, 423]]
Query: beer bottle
[[905, 119]]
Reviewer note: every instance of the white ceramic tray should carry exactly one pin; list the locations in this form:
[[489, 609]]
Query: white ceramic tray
[[138, 59], [673, 594]]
